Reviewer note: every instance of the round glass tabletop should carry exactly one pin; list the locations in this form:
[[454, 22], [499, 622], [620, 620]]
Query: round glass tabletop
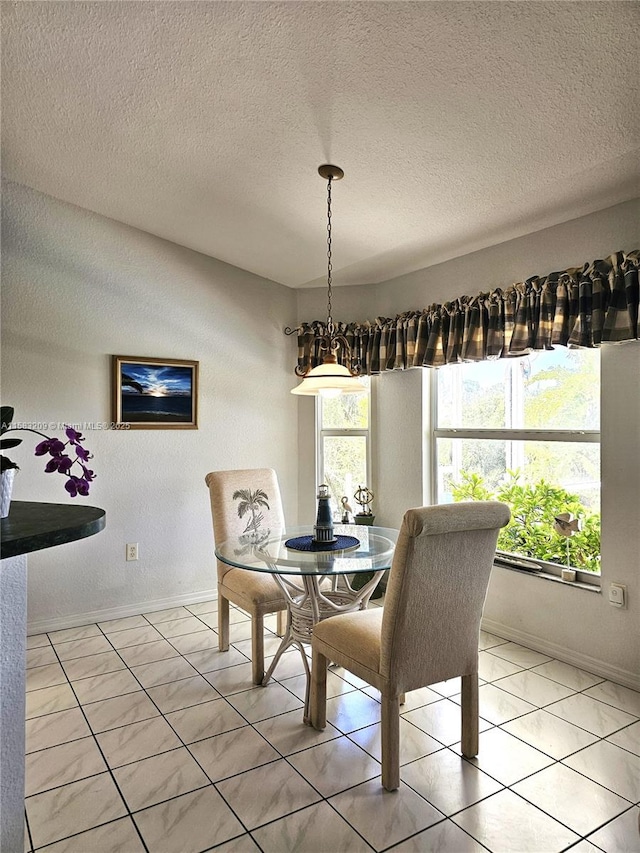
[[265, 551]]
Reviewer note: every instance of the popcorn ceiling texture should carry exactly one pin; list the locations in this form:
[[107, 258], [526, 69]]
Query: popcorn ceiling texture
[[459, 125]]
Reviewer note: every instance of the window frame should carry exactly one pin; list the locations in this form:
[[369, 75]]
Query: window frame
[[347, 432], [551, 570]]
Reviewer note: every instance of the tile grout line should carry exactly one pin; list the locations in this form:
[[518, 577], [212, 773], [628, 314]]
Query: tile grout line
[[211, 783], [109, 769], [341, 734], [108, 765]]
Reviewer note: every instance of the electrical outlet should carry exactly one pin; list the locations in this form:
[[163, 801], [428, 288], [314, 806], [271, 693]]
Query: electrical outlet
[[132, 551], [617, 594]]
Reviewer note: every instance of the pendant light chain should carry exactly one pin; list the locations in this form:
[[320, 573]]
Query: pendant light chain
[[334, 375], [330, 327]]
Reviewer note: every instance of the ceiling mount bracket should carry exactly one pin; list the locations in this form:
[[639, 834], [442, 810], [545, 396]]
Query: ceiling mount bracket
[[328, 171]]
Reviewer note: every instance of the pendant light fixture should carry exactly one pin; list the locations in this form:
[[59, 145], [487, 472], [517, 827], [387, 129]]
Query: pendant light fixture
[[330, 378]]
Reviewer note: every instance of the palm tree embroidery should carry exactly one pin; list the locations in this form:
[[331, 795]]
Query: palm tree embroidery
[[251, 502]]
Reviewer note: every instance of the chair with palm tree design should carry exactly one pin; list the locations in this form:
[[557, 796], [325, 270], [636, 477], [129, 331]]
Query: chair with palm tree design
[[246, 504]]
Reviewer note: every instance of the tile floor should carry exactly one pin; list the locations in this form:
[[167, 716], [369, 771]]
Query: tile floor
[[141, 736]]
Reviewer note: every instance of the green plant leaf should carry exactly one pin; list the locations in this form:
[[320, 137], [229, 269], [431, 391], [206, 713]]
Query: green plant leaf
[[533, 509], [6, 416]]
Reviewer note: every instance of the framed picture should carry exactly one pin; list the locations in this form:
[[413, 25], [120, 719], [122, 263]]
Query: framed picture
[[154, 393]]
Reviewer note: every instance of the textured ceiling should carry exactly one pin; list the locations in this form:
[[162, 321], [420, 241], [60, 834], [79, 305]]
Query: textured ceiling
[[459, 125]]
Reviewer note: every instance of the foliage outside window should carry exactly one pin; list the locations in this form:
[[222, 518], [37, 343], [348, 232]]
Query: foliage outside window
[[343, 446], [533, 509], [526, 431]]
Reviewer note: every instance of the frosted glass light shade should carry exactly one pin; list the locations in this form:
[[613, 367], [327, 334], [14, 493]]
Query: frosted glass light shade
[[328, 378]]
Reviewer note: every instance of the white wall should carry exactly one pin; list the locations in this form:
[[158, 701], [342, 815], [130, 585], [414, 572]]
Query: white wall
[[566, 245], [398, 445], [578, 626], [78, 288]]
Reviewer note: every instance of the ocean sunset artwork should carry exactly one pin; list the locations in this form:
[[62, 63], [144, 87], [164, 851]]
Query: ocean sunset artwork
[[153, 393]]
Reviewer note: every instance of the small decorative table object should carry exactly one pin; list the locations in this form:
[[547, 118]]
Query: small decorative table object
[[323, 529], [346, 510], [565, 525], [364, 497]]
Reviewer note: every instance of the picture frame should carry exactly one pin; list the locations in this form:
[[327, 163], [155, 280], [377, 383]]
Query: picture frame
[[154, 393]]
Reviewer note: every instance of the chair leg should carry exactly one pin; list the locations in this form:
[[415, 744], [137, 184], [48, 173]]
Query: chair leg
[[318, 697], [223, 623], [470, 715], [257, 648], [281, 627], [390, 742], [402, 698]]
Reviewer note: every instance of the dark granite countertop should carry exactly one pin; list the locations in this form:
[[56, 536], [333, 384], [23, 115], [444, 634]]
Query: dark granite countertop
[[32, 526]]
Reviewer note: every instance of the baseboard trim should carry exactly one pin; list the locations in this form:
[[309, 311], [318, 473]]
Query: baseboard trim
[[76, 620], [626, 677]]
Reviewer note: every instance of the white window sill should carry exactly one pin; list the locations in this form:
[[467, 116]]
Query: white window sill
[[548, 576]]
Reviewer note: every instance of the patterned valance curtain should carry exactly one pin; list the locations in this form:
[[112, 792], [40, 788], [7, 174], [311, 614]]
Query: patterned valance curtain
[[583, 307]]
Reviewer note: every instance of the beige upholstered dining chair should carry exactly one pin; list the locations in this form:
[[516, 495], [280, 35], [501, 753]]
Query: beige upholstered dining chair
[[246, 504], [428, 629]]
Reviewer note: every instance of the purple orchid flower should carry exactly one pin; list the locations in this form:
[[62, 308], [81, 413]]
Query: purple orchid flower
[[77, 486], [73, 436], [64, 463], [71, 486], [82, 453], [83, 487], [51, 445], [58, 463], [59, 460], [56, 446]]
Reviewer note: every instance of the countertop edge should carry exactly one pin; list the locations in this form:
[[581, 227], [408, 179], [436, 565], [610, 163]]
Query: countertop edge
[[33, 527]]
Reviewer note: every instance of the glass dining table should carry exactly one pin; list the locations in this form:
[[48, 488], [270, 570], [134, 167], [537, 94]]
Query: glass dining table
[[316, 583]]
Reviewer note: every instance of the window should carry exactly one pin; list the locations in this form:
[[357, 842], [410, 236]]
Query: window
[[343, 445], [525, 431]]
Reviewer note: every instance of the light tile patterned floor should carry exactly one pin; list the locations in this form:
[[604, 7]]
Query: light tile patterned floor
[[141, 736]]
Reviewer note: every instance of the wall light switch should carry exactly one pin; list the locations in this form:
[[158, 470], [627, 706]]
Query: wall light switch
[[617, 594]]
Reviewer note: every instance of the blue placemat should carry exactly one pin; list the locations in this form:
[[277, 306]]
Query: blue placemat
[[307, 543]]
